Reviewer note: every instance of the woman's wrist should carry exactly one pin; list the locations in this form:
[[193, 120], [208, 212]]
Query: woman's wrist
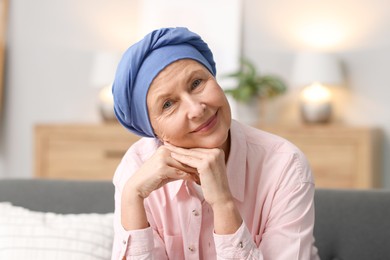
[[227, 218], [133, 214]]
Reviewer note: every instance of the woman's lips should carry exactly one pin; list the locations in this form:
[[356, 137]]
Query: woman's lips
[[208, 124]]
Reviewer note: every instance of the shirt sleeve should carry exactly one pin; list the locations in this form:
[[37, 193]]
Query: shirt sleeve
[[290, 222], [291, 225], [239, 245], [134, 244], [289, 230]]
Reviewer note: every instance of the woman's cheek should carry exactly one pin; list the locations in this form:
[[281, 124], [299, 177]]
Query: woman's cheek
[[165, 128], [157, 125]]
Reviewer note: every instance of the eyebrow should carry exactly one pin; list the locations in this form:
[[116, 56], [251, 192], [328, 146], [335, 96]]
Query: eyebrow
[[164, 95], [161, 96], [194, 72]]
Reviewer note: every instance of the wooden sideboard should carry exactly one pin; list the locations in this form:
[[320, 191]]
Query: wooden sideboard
[[80, 151], [340, 156]]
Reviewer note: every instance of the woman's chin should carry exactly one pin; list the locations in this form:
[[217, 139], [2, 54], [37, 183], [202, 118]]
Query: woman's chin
[[215, 140], [201, 144], [214, 143]]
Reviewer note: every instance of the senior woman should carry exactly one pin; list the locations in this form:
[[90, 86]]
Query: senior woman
[[201, 185]]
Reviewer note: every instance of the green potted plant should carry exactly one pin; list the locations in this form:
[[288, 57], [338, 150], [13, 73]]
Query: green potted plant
[[253, 90]]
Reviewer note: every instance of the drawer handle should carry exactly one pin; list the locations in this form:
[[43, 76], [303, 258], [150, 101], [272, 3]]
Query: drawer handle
[[114, 154]]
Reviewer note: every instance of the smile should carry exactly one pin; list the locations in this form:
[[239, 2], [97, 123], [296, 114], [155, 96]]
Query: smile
[[209, 124]]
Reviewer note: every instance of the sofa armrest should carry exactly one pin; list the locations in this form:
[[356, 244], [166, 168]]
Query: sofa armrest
[[352, 224], [59, 196]]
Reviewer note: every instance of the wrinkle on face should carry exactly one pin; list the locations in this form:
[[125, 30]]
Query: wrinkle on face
[[177, 123]]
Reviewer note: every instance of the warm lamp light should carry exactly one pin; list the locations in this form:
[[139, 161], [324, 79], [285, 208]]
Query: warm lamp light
[[314, 72], [102, 76], [106, 103], [316, 93], [316, 103]]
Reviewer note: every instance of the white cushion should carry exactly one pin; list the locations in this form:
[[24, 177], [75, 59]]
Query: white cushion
[[26, 234]]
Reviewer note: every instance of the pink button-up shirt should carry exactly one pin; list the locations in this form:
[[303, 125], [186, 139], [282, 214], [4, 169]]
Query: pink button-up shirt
[[273, 189]]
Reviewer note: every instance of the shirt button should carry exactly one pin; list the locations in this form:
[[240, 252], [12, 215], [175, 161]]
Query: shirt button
[[124, 242], [191, 248], [240, 245], [195, 213]]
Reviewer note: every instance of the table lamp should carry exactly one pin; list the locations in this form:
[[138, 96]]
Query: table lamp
[[102, 75], [314, 72]]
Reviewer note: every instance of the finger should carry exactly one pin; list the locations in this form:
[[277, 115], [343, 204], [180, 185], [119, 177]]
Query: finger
[[204, 150], [186, 159], [194, 152], [195, 149], [172, 162], [175, 174], [188, 177]]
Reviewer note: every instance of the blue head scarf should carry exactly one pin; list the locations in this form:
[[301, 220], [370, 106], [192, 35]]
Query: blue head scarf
[[142, 62]]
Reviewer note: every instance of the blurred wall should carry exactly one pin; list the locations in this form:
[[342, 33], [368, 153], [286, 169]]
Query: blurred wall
[[50, 50], [355, 31], [51, 45]]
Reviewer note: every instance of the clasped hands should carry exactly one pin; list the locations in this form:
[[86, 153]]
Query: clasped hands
[[169, 163]]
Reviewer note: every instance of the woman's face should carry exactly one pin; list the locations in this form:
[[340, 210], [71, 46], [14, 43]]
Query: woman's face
[[188, 108]]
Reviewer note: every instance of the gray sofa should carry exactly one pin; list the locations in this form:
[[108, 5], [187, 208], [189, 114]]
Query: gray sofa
[[350, 224]]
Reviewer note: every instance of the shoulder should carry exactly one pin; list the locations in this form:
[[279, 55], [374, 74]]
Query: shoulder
[[276, 154], [263, 140]]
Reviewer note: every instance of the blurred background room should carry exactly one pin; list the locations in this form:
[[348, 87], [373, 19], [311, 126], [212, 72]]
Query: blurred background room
[[59, 57]]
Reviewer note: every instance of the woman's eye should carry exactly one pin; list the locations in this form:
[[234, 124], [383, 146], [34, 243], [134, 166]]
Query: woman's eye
[[167, 104], [196, 83]]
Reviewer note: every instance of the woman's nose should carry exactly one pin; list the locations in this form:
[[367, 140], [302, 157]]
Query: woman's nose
[[195, 108]]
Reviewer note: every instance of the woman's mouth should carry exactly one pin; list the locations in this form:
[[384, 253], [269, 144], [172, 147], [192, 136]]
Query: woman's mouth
[[209, 124]]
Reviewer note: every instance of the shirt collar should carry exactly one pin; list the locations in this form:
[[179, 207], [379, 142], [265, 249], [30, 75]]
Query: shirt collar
[[175, 188], [236, 165]]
